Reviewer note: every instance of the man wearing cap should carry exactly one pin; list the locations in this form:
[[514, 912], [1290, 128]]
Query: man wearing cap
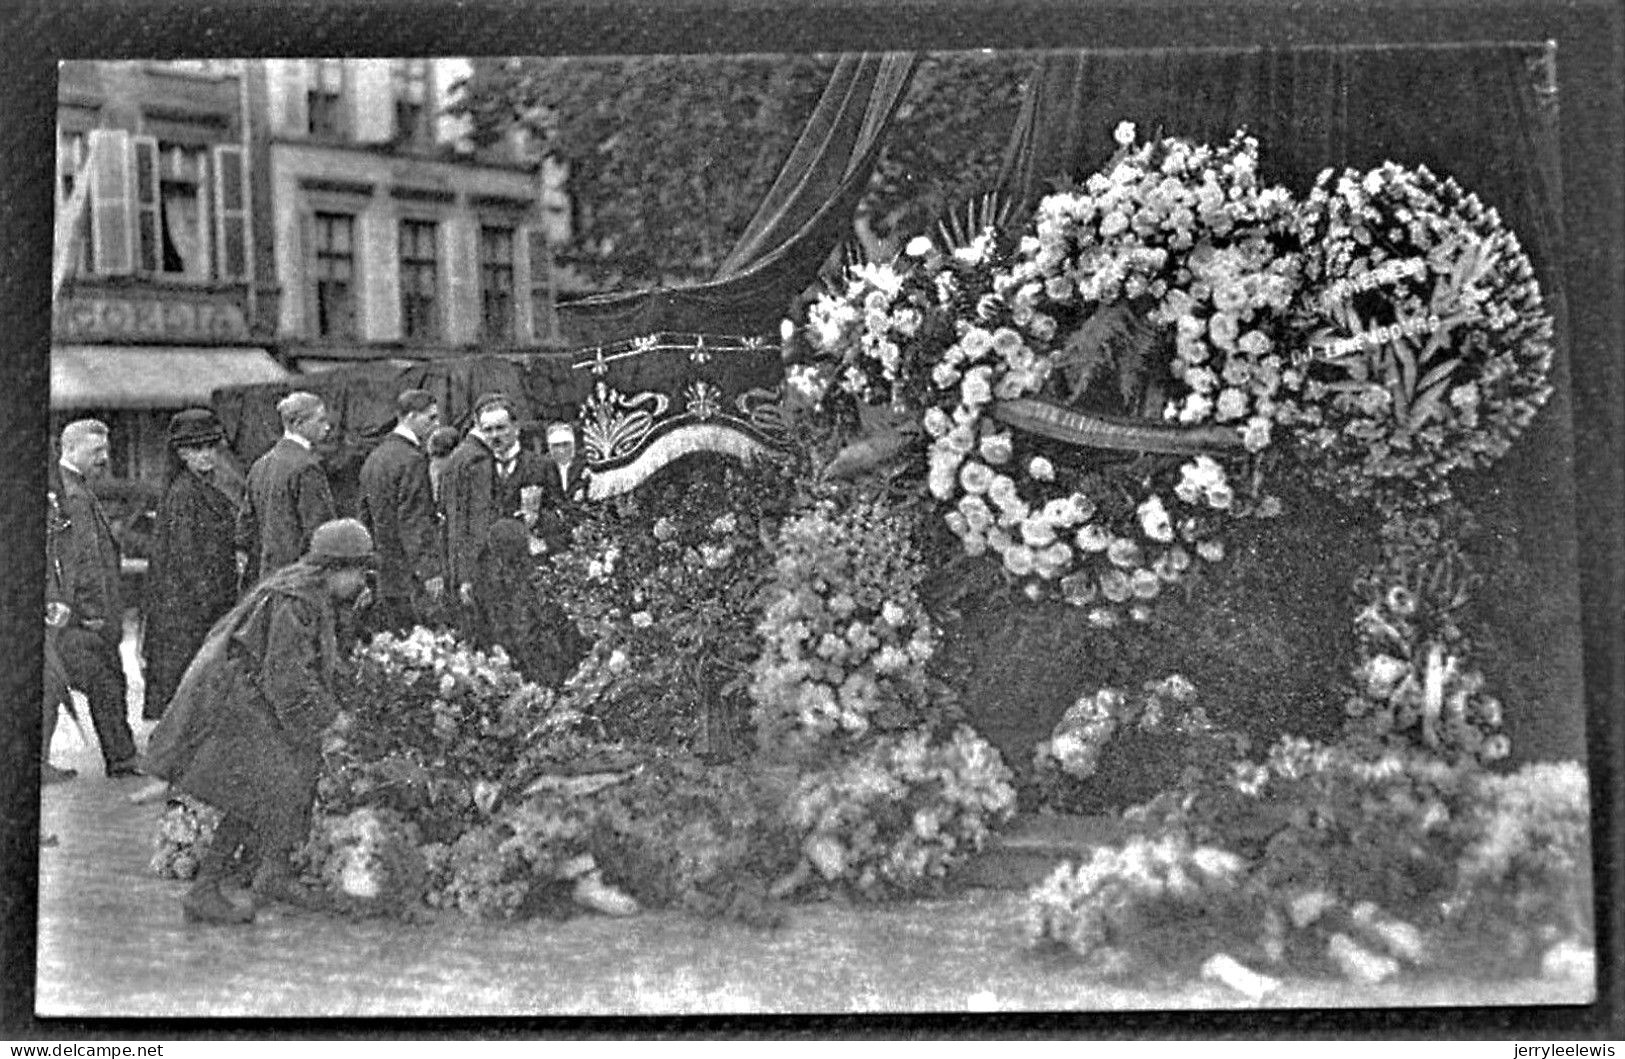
[[243, 731], [288, 492], [397, 505], [88, 641], [192, 577], [483, 480], [565, 486]]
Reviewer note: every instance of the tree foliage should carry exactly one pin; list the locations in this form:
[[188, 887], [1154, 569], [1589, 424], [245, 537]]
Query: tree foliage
[[669, 156]]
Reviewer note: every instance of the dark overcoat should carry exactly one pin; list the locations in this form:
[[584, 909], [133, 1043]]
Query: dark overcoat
[[564, 492], [90, 560], [243, 730], [192, 579], [473, 496], [397, 505], [288, 497]]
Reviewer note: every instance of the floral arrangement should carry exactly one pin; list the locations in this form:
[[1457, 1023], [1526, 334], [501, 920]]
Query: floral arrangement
[[184, 830], [845, 638], [1090, 722], [877, 339], [1108, 908], [1426, 345], [1525, 875], [1414, 682], [432, 728], [900, 815], [665, 584], [1325, 860]]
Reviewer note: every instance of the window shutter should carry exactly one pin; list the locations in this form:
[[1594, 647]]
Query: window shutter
[[110, 213], [232, 234], [148, 237]]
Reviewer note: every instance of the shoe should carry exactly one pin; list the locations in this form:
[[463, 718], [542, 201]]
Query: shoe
[[49, 773], [204, 903], [284, 888], [124, 770]]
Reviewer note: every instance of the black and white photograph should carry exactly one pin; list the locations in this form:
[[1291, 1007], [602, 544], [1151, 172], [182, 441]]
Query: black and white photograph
[[977, 526]]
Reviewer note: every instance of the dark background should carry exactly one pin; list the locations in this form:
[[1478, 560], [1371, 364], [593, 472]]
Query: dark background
[[1589, 37]]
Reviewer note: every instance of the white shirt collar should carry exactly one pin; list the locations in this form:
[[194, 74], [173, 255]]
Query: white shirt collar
[[403, 431], [65, 464], [288, 435]]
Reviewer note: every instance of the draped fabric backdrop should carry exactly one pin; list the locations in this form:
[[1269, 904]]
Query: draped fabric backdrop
[[803, 218], [1486, 114]]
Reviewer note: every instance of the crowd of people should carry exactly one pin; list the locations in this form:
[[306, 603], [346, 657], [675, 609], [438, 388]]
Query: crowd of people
[[454, 527], [255, 586]]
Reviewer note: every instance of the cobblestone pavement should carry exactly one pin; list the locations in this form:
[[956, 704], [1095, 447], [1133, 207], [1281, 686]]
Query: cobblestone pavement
[[112, 942]]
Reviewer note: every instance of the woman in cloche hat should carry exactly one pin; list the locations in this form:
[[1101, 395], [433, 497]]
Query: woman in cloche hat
[[192, 574]]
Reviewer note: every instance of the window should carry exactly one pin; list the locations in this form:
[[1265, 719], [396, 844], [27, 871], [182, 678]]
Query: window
[[496, 283], [173, 223], [325, 99], [410, 81], [334, 275], [419, 277]]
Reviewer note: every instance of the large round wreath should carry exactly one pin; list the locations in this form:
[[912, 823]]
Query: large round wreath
[[1425, 345]]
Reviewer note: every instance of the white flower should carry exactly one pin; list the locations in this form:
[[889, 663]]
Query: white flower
[[996, 448], [1041, 469], [919, 246], [1154, 520], [937, 423], [1093, 537], [643, 619], [1124, 133]]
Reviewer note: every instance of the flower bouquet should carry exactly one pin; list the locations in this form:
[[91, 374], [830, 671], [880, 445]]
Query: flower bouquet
[[182, 837]]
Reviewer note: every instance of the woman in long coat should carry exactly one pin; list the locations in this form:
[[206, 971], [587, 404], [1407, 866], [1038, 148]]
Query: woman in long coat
[[244, 729], [192, 579]]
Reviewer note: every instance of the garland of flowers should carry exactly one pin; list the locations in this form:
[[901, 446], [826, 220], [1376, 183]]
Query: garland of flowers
[[1424, 344]]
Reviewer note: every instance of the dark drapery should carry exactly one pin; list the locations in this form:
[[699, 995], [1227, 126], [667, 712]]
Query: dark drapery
[[801, 220], [1484, 114]]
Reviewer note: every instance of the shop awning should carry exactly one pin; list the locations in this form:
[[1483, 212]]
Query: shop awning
[[153, 376]]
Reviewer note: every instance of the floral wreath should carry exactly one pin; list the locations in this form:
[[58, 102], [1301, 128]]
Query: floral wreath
[[1425, 346]]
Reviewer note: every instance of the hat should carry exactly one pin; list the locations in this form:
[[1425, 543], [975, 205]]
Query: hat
[[194, 428], [560, 432], [343, 541]]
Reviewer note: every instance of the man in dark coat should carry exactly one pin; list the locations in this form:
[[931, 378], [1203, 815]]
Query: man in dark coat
[[397, 505], [515, 612], [566, 486], [88, 642], [484, 480], [192, 577], [244, 730], [288, 492]]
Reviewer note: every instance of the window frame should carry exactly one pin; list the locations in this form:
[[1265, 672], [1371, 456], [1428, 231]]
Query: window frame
[[315, 279], [509, 333], [436, 327]]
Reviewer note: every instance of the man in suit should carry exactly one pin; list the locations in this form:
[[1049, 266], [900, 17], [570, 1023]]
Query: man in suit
[[483, 481], [397, 506], [565, 487], [87, 643], [288, 494]]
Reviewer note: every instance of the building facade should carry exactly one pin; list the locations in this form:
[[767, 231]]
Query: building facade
[[392, 238], [162, 289]]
